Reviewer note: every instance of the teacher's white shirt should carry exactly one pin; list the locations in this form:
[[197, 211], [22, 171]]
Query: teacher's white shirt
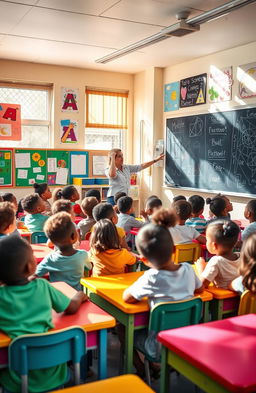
[[121, 183]]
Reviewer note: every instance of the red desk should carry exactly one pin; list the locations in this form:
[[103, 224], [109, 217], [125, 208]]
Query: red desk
[[217, 356], [40, 251], [90, 317]]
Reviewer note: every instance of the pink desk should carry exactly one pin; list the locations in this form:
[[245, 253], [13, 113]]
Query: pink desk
[[217, 356], [40, 251], [90, 317]]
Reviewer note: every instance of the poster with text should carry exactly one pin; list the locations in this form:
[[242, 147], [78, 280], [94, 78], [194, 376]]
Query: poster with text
[[10, 122], [246, 75], [220, 84], [171, 96], [193, 91], [69, 100], [68, 131]]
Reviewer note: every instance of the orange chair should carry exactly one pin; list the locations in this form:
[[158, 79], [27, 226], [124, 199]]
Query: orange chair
[[186, 253], [247, 303]]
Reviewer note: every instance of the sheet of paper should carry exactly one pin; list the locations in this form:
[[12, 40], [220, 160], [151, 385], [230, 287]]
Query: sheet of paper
[[22, 173], [22, 160], [37, 169], [39, 177], [1, 180], [99, 164], [78, 164], [62, 176], [52, 164], [31, 181]]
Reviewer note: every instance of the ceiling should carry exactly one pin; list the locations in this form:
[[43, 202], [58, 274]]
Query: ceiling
[[77, 32]]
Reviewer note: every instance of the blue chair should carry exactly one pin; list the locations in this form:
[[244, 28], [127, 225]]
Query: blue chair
[[38, 351], [171, 315], [38, 237]]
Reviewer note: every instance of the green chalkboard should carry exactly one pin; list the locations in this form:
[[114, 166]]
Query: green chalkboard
[[30, 166], [58, 167], [6, 171]]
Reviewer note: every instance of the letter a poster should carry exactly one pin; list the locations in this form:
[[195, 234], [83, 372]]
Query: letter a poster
[[10, 122], [69, 100]]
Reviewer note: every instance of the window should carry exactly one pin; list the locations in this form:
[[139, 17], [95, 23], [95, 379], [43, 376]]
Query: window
[[106, 119], [35, 114]]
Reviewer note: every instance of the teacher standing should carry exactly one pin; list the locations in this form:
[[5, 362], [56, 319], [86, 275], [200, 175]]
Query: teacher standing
[[119, 174]]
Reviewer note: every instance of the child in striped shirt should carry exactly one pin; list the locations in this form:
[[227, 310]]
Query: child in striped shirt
[[196, 220]]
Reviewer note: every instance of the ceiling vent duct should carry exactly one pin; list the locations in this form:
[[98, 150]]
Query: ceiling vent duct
[[181, 28]]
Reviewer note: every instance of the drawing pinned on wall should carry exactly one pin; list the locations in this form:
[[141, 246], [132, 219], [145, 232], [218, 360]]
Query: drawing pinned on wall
[[51, 179], [246, 75], [171, 96], [10, 122], [68, 131], [69, 100], [193, 90], [220, 84]]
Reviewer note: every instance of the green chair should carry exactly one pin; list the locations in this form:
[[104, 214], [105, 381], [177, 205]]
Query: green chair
[[38, 237], [39, 351], [171, 315]]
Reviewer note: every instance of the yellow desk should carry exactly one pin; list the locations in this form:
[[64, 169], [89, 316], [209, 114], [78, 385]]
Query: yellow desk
[[107, 293]]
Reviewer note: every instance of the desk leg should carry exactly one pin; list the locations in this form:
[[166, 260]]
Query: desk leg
[[102, 361], [206, 316], [129, 338], [165, 375]]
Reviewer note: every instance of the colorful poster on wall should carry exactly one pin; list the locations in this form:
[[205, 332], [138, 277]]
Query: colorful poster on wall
[[246, 75], [220, 84], [10, 122], [69, 100], [171, 96], [193, 90], [68, 131]]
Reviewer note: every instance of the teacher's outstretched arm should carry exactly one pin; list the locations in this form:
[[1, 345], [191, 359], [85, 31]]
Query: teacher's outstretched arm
[[149, 163]]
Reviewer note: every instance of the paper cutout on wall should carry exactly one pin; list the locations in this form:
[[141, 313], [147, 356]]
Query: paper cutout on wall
[[68, 131], [10, 122], [69, 100], [246, 75], [51, 180], [220, 84], [171, 96]]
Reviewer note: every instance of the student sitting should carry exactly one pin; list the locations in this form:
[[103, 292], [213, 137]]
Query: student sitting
[[106, 254], [247, 267], [34, 207], [125, 220], [71, 194], [117, 196], [218, 208], [7, 219], [26, 308], [250, 214], [229, 205], [66, 264], [94, 193], [105, 210], [45, 193], [195, 221], [179, 198], [152, 205], [87, 223], [9, 197], [164, 281], [182, 233], [221, 269]]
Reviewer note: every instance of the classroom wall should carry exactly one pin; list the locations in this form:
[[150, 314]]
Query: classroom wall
[[60, 76], [235, 57]]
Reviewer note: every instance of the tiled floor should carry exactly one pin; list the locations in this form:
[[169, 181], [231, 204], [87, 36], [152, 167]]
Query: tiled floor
[[179, 384]]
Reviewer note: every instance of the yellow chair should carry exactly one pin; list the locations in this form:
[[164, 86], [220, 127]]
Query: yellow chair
[[186, 253], [247, 303]]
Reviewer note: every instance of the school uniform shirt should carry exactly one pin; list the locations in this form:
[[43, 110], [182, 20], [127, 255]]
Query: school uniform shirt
[[35, 222], [85, 226], [221, 271], [237, 285], [111, 261], [183, 234], [27, 309], [121, 183], [198, 223], [251, 228], [69, 269], [128, 222]]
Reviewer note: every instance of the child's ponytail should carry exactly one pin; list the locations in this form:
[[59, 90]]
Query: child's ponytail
[[57, 194], [248, 263], [165, 217]]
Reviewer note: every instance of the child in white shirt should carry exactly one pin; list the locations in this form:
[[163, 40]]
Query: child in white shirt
[[221, 238]]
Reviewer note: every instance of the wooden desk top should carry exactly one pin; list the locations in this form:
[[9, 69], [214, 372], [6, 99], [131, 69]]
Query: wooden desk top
[[40, 251], [220, 293], [123, 383], [224, 350], [111, 288]]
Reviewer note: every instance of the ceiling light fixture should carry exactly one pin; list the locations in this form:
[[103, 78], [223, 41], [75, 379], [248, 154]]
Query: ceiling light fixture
[[183, 27]]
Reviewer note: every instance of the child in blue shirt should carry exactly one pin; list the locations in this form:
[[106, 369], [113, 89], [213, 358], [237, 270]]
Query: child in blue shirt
[[26, 308], [164, 281], [7, 219], [195, 220], [34, 207], [125, 220], [66, 263]]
